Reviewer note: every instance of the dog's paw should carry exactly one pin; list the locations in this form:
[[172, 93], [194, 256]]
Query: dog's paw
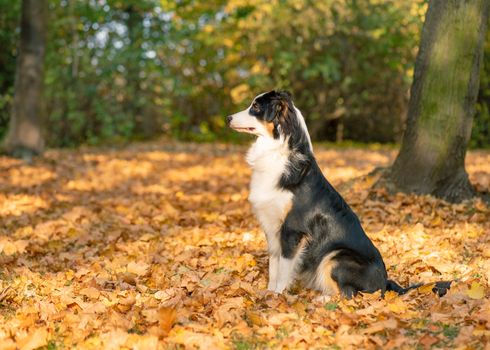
[[322, 299], [265, 294], [271, 287], [279, 290]]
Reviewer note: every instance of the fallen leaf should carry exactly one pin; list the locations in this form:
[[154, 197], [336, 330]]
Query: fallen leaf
[[35, 339], [380, 326], [428, 340], [7, 344], [90, 292], [426, 288], [96, 308], [397, 306], [476, 291], [255, 318], [138, 268], [166, 319], [280, 318]]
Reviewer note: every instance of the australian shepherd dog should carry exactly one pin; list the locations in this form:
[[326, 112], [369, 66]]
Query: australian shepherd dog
[[312, 234]]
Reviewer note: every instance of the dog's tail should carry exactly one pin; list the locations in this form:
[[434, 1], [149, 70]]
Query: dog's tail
[[440, 288]]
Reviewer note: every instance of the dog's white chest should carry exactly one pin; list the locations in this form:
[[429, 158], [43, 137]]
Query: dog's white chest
[[269, 203]]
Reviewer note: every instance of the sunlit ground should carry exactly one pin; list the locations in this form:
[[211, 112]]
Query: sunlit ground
[[155, 246]]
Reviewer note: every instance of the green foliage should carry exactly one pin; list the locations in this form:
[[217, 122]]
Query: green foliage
[[342, 60], [331, 306], [9, 21], [121, 70], [100, 81]]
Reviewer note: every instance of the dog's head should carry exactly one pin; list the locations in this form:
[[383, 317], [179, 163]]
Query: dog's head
[[271, 114]]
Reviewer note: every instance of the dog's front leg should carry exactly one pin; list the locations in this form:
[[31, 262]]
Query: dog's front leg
[[285, 273], [274, 248], [273, 268], [293, 243]]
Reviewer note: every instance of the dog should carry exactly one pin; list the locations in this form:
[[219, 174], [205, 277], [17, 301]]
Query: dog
[[312, 234]]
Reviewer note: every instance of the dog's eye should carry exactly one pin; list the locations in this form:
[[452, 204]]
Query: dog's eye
[[255, 106]]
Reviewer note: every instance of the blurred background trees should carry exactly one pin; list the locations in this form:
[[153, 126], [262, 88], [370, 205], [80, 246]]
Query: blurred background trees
[[119, 70]]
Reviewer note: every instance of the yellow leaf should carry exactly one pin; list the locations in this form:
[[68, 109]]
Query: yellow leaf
[[436, 222], [397, 306], [34, 340], [255, 318], [139, 269], [426, 288], [236, 197], [476, 291], [278, 319], [390, 295], [208, 28], [239, 93], [143, 342], [90, 292], [96, 308], [7, 344], [381, 325], [128, 300]]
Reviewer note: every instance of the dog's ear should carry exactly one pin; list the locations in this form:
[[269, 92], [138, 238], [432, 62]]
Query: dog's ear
[[275, 110], [284, 94], [278, 105]]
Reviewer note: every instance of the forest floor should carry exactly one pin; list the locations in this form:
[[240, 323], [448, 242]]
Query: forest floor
[[154, 246]]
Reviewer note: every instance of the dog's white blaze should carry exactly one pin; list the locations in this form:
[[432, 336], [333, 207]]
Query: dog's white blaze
[[303, 125], [268, 158]]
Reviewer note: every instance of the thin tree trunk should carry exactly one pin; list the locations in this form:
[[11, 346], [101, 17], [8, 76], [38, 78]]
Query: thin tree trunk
[[443, 96], [144, 122], [24, 137]]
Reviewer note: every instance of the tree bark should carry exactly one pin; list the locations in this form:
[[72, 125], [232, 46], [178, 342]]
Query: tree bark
[[442, 101], [24, 137]]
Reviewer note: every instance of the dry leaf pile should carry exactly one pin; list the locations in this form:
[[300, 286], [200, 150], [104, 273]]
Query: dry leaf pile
[[154, 247]]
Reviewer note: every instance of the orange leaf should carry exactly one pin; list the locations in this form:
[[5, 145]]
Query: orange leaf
[[381, 325], [428, 340], [255, 318], [139, 269], [34, 340], [91, 292], [166, 319]]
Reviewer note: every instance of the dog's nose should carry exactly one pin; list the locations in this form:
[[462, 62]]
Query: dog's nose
[[228, 119]]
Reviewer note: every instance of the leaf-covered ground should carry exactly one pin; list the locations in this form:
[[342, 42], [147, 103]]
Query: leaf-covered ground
[[154, 246]]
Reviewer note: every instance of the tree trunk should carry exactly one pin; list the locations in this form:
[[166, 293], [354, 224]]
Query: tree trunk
[[24, 137], [442, 101], [144, 123]]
